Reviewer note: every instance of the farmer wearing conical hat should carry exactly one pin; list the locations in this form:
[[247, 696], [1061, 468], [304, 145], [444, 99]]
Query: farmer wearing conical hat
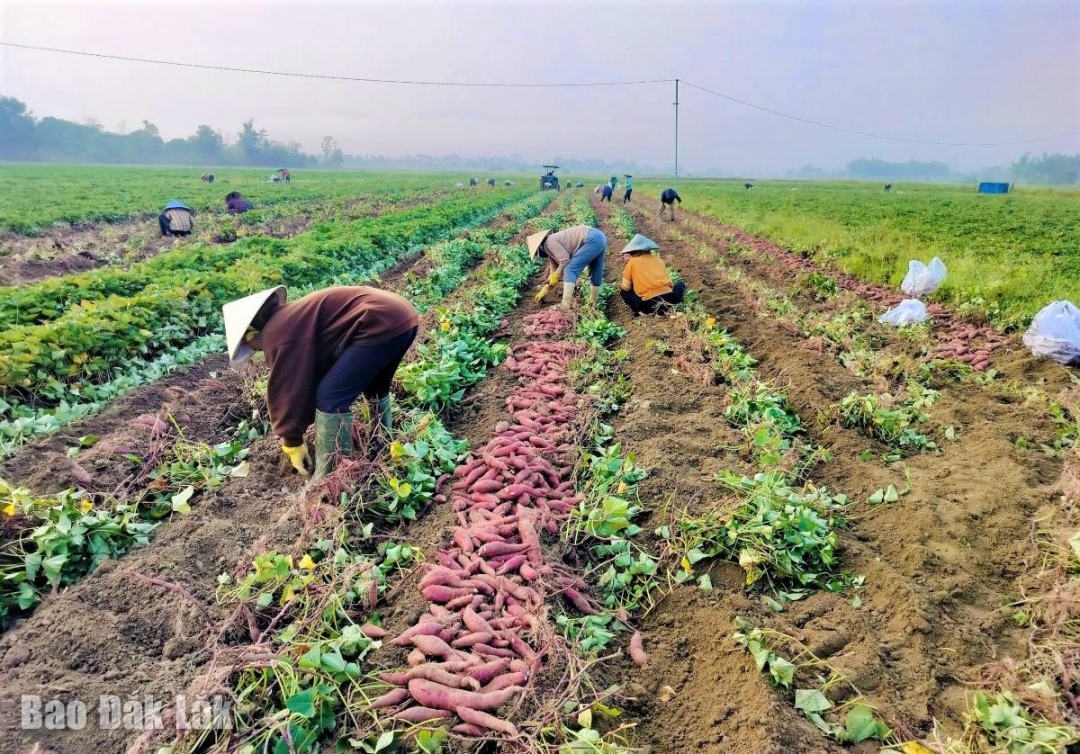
[[646, 285], [324, 350], [568, 253]]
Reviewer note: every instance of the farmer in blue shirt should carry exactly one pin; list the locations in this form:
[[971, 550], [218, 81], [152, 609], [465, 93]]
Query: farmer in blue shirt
[[629, 185]]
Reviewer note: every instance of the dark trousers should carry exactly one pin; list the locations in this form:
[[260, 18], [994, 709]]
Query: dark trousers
[[648, 306], [362, 369], [626, 196]]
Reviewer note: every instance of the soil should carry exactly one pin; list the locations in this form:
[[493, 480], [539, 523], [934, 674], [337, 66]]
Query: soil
[[939, 564]]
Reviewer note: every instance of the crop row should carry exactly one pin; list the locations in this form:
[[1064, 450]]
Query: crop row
[[72, 534], [109, 333]]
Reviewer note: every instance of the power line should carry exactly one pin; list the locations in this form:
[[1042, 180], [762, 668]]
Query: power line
[[512, 85], [328, 77], [874, 135]]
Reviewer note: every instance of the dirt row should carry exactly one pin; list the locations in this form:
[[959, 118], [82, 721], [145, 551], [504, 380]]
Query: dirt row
[[940, 564], [112, 633], [78, 249]]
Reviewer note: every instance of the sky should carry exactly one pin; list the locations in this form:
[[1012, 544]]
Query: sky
[[948, 70]]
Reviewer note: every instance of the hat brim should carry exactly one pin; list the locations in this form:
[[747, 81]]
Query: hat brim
[[639, 243], [238, 316]]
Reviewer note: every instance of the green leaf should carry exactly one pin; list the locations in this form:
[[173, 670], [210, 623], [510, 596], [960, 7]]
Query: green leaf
[[891, 495], [782, 672], [861, 724], [811, 700], [704, 582], [877, 497], [302, 704]]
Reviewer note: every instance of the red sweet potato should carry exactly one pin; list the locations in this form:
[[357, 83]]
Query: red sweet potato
[[437, 696], [390, 699], [372, 631], [484, 720], [637, 649], [432, 672], [421, 714], [468, 729], [433, 646], [489, 670]]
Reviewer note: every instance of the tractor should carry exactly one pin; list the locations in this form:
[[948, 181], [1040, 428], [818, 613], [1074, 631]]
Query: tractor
[[549, 180]]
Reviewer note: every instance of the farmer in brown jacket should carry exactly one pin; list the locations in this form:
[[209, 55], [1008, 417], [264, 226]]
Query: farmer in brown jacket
[[323, 350]]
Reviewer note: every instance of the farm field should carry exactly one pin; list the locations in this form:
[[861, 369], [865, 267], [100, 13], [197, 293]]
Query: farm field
[[764, 523], [1007, 255]]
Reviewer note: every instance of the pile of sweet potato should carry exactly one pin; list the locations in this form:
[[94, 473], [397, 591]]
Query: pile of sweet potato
[[476, 648]]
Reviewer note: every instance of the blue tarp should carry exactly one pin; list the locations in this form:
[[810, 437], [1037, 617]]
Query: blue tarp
[[987, 187]]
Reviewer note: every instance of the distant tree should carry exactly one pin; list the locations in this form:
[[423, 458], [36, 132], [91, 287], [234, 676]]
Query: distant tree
[[207, 145], [251, 144], [332, 156], [17, 130], [1048, 170]]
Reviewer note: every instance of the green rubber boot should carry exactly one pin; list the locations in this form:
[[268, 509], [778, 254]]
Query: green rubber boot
[[386, 414], [333, 434]]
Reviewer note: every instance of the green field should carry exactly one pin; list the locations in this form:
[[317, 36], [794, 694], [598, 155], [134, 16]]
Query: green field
[[34, 198], [1016, 252]]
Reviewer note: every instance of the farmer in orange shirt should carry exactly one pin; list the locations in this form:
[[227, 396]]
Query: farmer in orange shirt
[[646, 285]]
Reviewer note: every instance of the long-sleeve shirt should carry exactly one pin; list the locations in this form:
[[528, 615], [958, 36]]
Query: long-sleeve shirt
[[237, 205], [646, 276], [562, 245], [304, 338], [670, 196], [629, 184]]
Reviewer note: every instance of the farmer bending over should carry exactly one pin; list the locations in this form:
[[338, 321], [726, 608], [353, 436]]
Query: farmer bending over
[[568, 253], [646, 285], [668, 199], [236, 204], [605, 192], [324, 350], [177, 219]]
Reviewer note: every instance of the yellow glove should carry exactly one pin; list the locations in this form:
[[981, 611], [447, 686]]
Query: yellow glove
[[553, 278], [299, 458], [542, 292]]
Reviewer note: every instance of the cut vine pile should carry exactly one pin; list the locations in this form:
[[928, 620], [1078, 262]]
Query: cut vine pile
[[761, 522]]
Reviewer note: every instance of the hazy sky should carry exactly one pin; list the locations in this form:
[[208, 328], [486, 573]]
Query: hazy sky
[[953, 70]]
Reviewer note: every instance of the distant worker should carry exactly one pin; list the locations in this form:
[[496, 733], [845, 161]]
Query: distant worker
[[472, 182], [580, 184], [568, 253], [281, 175], [888, 187], [323, 351], [629, 186], [208, 177], [508, 184], [605, 192], [177, 219], [646, 285], [491, 182], [614, 181], [236, 204], [748, 185], [667, 200]]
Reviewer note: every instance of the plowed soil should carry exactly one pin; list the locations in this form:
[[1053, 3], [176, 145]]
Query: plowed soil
[[940, 564]]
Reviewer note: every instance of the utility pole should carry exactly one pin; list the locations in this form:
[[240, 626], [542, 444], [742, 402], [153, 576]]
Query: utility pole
[[676, 134]]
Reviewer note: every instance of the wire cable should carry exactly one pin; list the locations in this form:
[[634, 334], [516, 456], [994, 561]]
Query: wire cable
[[874, 135], [328, 77], [556, 85]]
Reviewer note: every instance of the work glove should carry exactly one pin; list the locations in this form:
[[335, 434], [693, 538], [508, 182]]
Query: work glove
[[553, 278], [299, 458], [541, 293]]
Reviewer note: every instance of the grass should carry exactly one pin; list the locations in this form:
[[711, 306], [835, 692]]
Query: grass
[[1016, 253]]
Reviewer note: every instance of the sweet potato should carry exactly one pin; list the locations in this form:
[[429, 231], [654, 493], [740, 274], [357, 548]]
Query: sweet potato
[[437, 696], [429, 626], [467, 640], [415, 657], [421, 714], [484, 720], [474, 622], [492, 549], [512, 564], [577, 599], [432, 672], [372, 631], [500, 682], [433, 646], [637, 649], [489, 670], [468, 729], [437, 593], [390, 699]]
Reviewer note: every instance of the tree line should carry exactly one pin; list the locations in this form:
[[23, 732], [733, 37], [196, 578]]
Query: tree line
[[1045, 170]]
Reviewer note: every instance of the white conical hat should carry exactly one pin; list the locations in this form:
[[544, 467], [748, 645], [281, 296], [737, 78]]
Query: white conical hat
[[238, 316], [639, 243], [534, 241]]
